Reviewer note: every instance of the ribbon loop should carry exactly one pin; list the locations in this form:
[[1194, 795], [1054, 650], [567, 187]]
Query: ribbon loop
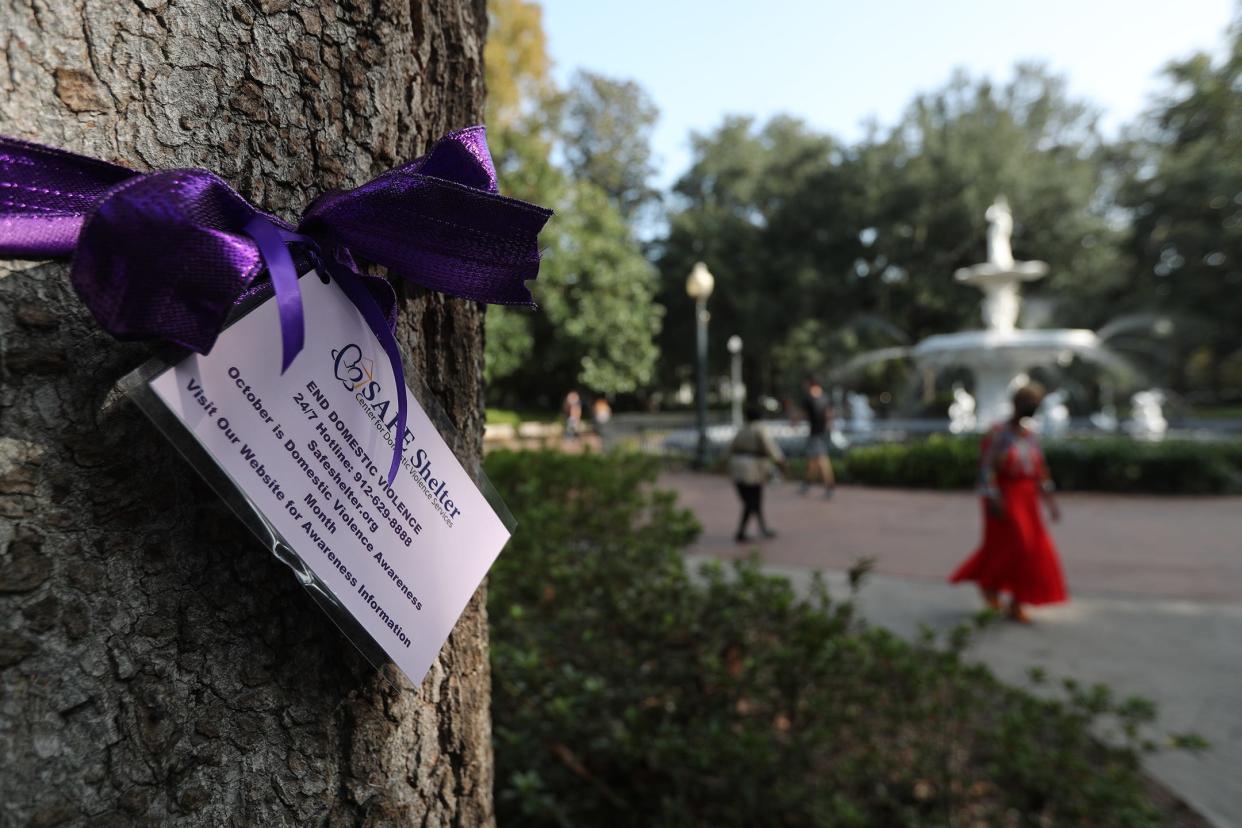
[[438, 222], [165, 255]]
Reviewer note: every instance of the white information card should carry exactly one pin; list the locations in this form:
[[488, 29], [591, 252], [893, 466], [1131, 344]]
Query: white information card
[[311, 450]]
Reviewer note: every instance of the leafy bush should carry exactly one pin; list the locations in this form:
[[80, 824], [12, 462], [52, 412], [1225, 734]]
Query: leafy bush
[[1169, 467], [627, 692], [1100, 464], [938, 462]]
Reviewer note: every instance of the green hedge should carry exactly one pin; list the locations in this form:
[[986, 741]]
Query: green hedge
[[627, 692], [1108, 464]]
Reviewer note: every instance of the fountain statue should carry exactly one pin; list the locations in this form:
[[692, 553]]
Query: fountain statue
[[1106, 418], [1000, 275], [1053, 414], [1000, 229], [961, 410], [1147, 415], [1000, 353], [862, 417]]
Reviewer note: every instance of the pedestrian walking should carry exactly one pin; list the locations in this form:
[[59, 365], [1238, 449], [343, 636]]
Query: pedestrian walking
[[601, 416], [817, 408], [752, 455], [571, 409], [1017, 555]]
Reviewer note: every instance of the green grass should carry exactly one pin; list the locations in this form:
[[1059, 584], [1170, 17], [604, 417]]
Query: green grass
[[506, 416]]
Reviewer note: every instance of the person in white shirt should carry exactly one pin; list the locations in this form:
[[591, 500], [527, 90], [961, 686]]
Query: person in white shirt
[[751, 457]]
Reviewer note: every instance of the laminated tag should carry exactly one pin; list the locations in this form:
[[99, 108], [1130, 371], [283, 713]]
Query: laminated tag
[[303, 458]]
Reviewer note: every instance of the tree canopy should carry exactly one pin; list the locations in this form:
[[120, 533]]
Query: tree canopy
[[606, 133], [597, 320], [1183, 191], [824, 249]]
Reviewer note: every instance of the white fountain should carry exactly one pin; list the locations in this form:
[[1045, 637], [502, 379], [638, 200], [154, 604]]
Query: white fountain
[[862, 417], [961, 410], [1147, 419], [1053, 416], [1000, 355]]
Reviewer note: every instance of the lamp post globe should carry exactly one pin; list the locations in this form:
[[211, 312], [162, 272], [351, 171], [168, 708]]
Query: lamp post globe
[[699, 285], [700, 282]]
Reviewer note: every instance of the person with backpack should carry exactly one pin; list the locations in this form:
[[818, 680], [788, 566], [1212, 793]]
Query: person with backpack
[[752, 457]]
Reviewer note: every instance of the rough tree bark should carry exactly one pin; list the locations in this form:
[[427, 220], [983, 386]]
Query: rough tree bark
[[157, 666]]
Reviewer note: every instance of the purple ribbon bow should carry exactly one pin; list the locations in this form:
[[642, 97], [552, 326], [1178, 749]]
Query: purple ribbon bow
[[166, 255]]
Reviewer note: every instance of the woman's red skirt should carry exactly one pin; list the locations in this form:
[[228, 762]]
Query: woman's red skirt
[[1017, 555]]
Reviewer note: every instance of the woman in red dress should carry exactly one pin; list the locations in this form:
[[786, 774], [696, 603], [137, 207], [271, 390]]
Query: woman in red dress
[[1017, 555]]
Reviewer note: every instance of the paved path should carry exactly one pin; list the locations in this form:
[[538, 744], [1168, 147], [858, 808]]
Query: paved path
[[1132, 545], [1156, 608]]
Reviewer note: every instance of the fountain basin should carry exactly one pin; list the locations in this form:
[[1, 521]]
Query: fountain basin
[[1039, 346], [987, 274], [996, 357]]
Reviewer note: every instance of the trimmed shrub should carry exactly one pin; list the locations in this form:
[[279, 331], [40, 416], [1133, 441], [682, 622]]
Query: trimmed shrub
[[627, 692], [1168, 467], [938, 462], [1104, 464]]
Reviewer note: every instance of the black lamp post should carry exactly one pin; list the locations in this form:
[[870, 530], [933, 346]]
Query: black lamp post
[[698, 287], [735, 379]]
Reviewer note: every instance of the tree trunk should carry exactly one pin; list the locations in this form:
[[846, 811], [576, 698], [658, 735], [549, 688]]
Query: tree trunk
[[157, 666]]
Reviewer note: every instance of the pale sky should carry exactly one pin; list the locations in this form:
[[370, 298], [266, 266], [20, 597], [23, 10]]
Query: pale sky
[[838, 64]]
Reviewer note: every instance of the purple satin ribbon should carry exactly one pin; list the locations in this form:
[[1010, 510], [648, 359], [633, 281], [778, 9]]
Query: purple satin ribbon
[[166, 255], [271, 241]]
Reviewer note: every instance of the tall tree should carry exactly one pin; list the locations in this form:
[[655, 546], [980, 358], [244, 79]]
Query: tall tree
[[157, 666], [597, 319], [521, 106], [1183, 192], [743, 214], [522, 101], [519, 68], [606, 128]]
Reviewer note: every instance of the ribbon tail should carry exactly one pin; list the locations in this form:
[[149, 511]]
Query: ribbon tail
[[370, 310], [271, 243]]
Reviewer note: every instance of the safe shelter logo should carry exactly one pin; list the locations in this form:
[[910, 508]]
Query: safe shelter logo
[[352, 368], [356, 372]]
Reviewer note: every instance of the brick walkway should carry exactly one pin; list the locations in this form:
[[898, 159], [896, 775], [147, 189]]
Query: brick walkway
[[1124, 544], [1156, 607]]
